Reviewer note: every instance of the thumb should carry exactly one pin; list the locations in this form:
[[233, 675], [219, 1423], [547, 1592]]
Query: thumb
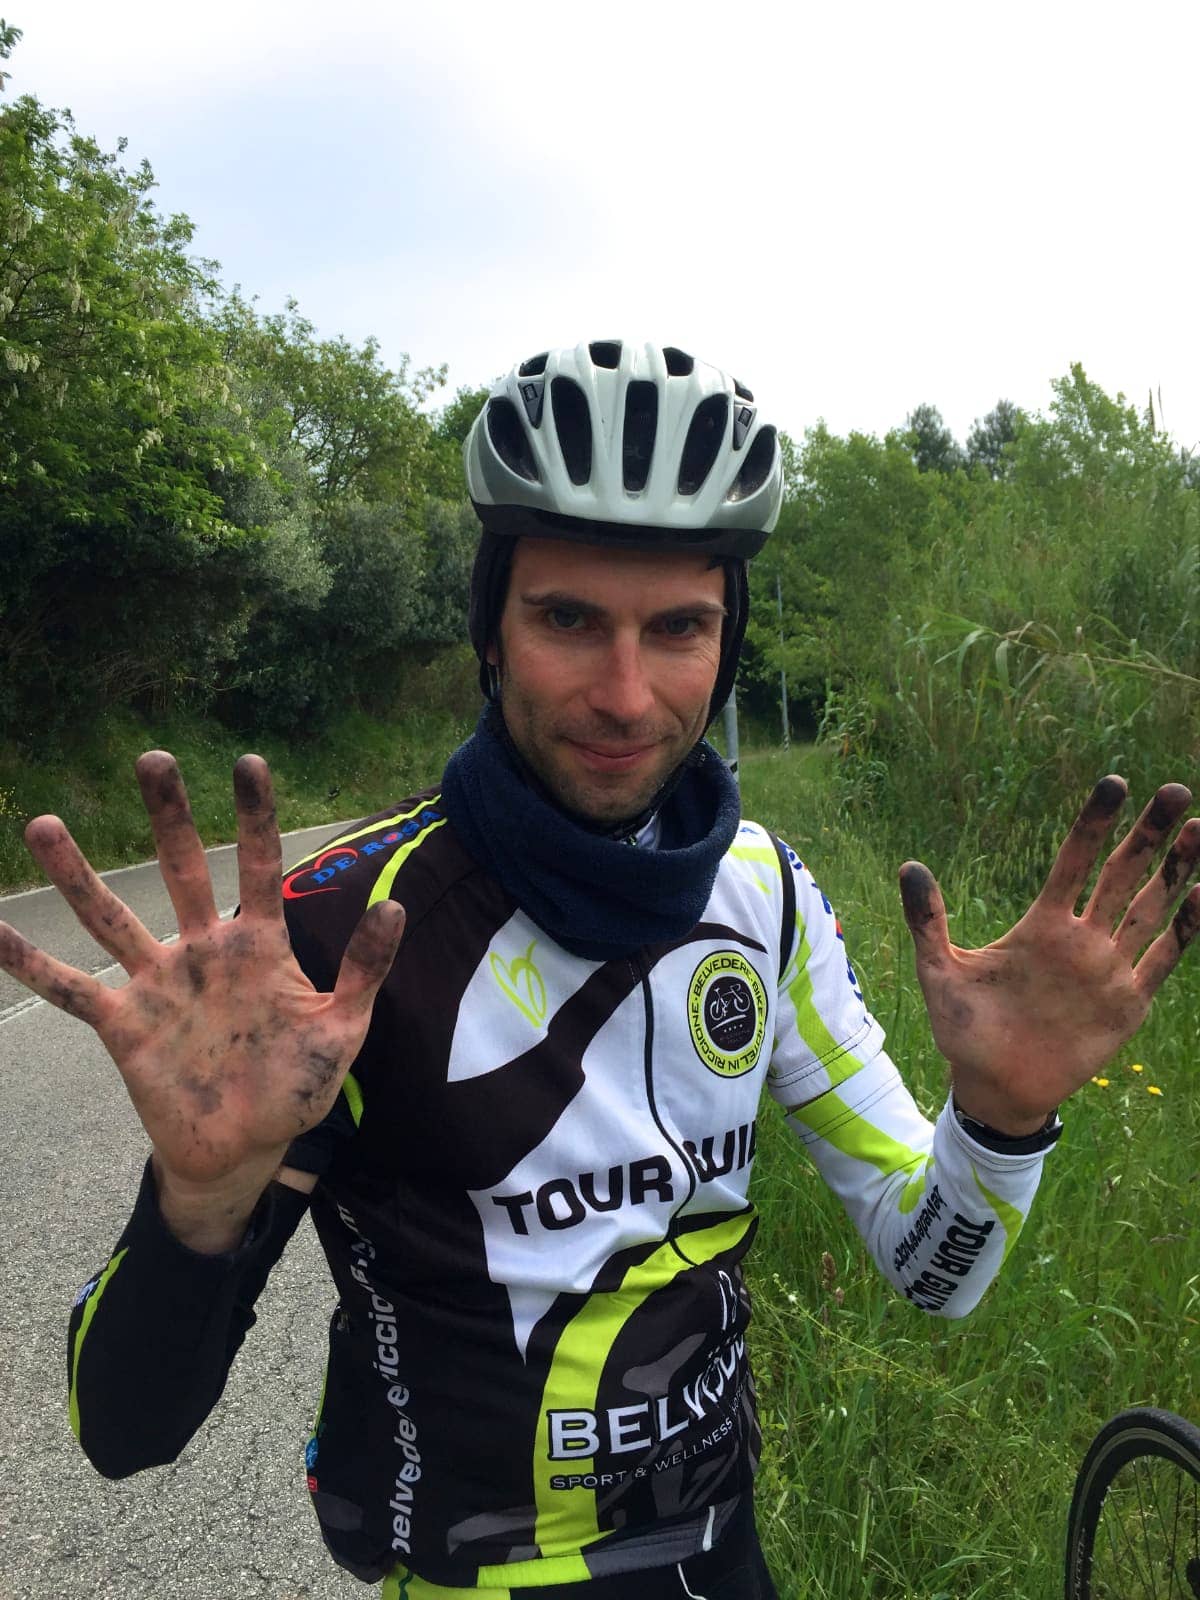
[[925, 913], [369, 955]]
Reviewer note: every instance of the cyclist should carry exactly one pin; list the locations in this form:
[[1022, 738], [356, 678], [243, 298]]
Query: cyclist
[[525, 1139]]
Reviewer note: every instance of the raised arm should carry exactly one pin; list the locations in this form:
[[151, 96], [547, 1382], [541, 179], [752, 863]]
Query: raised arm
[[1022, 1024], [228, 1053]]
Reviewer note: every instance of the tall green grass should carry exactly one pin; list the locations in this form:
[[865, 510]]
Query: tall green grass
[[911, 1457], [356, 766]]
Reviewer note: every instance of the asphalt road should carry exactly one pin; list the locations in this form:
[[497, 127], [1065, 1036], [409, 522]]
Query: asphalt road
[[230, 1518]]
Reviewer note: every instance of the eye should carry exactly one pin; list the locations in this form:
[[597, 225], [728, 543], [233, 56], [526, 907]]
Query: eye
[[681, 627], [564, 619]]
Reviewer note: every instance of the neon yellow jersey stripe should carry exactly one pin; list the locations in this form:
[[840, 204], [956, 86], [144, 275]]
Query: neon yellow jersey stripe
[[383, 883], [360, 833], [831, 1119], [567, 1522], [757, 855], [837, 1062], [1010, 1218], [352, 1089], [531, 1574], [407, 1586], [89, 1311]]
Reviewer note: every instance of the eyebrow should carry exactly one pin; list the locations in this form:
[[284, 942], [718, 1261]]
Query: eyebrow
[[563, 600]]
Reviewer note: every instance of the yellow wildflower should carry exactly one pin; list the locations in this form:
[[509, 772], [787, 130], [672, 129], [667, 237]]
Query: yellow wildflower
[[1136, 1066], [1152, 1088], [1103, 1082]]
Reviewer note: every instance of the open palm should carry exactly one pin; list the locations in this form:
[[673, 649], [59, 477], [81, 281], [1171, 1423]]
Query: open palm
[[226, 1049], [1025, 1021]]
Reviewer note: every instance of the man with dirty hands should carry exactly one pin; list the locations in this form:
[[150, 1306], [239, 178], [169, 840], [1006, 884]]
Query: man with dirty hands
[[524, 1130]]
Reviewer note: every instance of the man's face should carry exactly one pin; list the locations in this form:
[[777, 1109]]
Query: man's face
[[607, 662]]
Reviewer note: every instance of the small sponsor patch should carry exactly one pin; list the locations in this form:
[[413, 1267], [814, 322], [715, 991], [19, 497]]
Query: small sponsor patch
[[727, 1013]]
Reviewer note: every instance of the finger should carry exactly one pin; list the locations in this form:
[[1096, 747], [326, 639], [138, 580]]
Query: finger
[[1079, 849], [180, 853], [369, 956], [1130, 861], [65, 987], [108, 919], [925, 913], [260, 853], [1164, 953], [1148, 911]]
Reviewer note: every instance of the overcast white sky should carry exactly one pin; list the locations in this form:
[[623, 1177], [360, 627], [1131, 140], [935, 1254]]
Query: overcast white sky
[[854, 207]]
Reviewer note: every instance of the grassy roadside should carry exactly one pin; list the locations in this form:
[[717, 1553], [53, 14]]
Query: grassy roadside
[[358, 766], [914, 1458]]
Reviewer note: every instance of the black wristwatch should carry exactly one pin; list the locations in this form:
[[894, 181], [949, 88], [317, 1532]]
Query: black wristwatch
[[1005, 1144]]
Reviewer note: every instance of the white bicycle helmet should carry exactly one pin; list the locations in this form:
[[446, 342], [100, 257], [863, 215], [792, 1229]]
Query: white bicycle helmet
[[625, 444]]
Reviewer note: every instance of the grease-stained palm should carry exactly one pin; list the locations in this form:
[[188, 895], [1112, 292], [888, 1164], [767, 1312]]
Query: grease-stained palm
[[227, 1050], [1027, 1020]]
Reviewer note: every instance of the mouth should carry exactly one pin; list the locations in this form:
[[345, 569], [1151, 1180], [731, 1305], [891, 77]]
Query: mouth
[[611, 758]]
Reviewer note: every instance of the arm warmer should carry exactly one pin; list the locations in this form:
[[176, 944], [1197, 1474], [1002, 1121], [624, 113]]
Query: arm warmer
[[151, 1338], [938, 1211]]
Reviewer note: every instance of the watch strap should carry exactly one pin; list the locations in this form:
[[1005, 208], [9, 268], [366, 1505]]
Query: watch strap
[[1025, 1144]]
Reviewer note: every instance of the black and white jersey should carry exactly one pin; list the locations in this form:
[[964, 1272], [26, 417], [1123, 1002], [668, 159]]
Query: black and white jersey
[[533, 1200]]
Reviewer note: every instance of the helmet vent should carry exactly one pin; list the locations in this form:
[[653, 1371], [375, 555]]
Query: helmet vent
[[641, 426], [573, 425], [509, 439], [756, 469], [605, 352], [741, 391], [535, 364], [679, 363], [703, 441]]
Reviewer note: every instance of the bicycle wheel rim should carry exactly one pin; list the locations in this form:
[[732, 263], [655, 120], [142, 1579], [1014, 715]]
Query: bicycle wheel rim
[[1140, 1434]]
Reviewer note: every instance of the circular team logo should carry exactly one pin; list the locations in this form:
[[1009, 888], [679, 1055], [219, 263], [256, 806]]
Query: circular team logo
[[727, 1012]]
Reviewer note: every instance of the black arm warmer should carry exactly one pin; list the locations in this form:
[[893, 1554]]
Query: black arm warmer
[[152, 1337]]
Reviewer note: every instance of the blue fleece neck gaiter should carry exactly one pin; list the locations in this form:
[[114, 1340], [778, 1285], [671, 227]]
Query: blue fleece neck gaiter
[[597, 897]]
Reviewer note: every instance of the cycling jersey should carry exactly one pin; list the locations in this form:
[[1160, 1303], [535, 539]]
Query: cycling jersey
[[533, 1199]]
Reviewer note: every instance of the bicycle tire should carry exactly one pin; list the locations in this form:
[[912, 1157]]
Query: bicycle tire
[[1128, 1448]]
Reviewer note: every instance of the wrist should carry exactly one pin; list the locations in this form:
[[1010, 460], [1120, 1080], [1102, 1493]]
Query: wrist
[[210, 1218], [1010, 1122]]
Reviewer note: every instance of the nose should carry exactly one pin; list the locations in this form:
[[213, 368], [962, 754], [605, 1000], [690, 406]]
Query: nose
[[621, 688]]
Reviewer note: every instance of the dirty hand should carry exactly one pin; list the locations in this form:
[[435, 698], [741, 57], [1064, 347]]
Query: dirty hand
[[1027, 1020], [226, 1049]]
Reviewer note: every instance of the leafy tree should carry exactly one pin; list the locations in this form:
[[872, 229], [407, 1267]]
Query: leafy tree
[[931, 442], [451, 538], [302, 662], [451, 426], [990, 436], [356, 423], [9, 37], [381, 488], [121, 571], [857, 513], [455, 420]]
